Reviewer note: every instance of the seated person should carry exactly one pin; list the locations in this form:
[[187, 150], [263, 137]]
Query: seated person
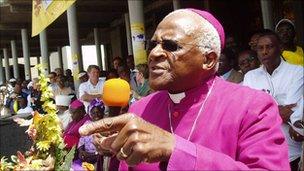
[[62, 103], [226, 63], [61, 88], [71, 135], [86, 149], [23, 106], [248, 61]]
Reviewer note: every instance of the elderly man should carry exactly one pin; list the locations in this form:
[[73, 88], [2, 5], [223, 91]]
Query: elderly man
[[93, 87], [195, 120], [283, 81]]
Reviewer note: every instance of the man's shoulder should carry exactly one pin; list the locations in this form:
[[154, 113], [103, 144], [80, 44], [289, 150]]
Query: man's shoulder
[[254, 72], [237, 91], [151, 99]]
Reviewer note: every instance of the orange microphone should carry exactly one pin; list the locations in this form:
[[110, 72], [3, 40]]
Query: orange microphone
[[116, 94]]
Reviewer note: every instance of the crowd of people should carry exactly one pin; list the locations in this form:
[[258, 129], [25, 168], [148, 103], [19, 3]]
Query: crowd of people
[[187, 82]]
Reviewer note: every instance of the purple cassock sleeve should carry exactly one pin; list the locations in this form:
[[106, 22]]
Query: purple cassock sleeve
[[260, 144]]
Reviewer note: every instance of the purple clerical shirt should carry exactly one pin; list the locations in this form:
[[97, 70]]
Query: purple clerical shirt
[[238, 128]]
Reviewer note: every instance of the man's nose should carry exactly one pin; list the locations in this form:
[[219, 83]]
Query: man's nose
[[265, 51], [157, 53]]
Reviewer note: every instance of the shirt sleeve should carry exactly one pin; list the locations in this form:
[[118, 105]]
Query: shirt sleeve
[[261, 144], [81, 90], [246, 80]]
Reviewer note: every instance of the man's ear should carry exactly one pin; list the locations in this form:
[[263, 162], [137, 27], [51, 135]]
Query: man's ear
[[210, 61]]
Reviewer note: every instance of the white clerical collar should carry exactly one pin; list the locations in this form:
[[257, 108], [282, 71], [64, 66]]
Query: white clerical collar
[[176, 98]]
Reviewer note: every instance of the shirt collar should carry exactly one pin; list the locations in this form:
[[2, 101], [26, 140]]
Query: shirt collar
[[197, 91], [282, 64]]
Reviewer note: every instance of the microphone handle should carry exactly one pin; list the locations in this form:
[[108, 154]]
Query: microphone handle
[[113, 111]]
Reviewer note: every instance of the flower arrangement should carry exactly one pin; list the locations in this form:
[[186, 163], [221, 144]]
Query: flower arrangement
[[48, 150]]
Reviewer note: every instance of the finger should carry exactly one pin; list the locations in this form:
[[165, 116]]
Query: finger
[[127, 132], [127, 146], [138, 155], [104, 143], [104, 125]]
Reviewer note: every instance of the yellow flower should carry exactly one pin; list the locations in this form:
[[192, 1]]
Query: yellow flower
[[36, 164], [87, 166], [43, 145]]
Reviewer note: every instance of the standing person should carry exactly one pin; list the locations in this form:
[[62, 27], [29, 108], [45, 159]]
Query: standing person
[[287, 33], [93, 87], [195, 120], [284, 82], [226, 70]]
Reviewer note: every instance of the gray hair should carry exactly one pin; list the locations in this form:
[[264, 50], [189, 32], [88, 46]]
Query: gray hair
[[204, 32]]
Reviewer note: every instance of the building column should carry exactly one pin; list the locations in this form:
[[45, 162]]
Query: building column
[[176, 4], [128, 34], [44, 52], [15, 59], [2, 80], [26, 54], [267, 12], [74, 44], [60, 60], [137, 31], [7, 65], [97, 45]]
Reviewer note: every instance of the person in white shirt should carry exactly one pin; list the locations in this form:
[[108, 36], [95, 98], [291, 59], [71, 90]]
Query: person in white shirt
[[284, 82], [62, 104], [23, 106], [93, 87]]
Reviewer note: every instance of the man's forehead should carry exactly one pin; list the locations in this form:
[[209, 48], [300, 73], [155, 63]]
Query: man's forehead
[[267, 39], [177, 25]]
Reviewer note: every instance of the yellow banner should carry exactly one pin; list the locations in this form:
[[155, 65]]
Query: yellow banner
[[44, 12], [138, 43]]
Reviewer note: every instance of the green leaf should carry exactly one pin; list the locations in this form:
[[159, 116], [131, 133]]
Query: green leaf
[[67, 163]]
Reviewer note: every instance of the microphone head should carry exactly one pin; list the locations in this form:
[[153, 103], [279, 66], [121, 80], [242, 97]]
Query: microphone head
[[116, 92]]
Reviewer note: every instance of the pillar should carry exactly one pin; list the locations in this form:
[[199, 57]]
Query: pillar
[[44, 52], [74, 44], [2, 79], [267, 12], [15, 59], [137, 31], [7, 65], [128, 33], [26, 54], [60, 60], [98, 49]]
